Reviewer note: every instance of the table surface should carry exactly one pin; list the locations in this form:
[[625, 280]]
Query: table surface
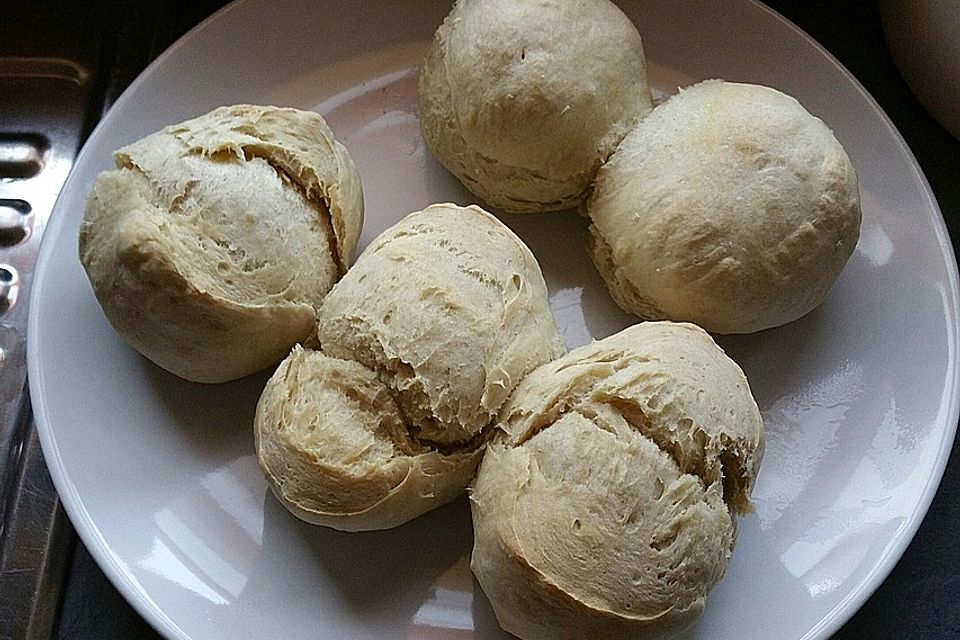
[[918, 600]]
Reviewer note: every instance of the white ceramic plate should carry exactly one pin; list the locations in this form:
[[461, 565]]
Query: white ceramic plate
[[159, 476]]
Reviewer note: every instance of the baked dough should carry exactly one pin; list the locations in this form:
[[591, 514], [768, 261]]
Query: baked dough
[[336, 450], [213, 243], [607, 507], [729, 206], [422, 341], [523, 100]]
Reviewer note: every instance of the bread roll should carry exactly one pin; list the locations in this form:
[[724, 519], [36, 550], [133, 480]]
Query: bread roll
[[523, 100], [337, 452], [730, 206], [422, 341], [213, 243], [607, 506]]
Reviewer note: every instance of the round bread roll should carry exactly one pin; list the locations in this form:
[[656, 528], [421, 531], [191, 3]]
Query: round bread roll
[[730, 206], [422, 341], [523, 100], [337, 452], [607, 507], [213, 243]]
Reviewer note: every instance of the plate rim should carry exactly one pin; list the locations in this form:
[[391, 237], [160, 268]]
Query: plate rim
[[858, 596]]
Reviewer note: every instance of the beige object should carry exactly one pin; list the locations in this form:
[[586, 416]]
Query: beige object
[[523, 100], [607, 508], [422, 341], [729, 206], [924, 38], [213, 243]]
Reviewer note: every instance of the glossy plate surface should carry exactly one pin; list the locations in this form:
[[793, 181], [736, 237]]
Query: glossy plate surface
[[159, 475]]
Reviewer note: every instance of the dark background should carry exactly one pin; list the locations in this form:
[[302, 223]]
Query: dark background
[[918, 601]]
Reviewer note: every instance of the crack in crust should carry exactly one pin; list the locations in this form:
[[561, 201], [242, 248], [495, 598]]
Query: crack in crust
[[323, 221], [589, 389]]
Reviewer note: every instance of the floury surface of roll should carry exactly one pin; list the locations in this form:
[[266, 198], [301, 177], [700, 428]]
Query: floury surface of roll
[[422, 341], [729, 206], [213, 243], [523, 100], [607, 507]]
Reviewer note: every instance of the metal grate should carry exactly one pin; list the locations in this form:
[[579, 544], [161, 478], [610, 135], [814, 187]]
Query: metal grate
[[61, 67]]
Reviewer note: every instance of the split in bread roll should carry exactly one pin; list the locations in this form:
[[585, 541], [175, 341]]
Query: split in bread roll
[[607, 507], [729, 206], [212, 245], [523, 100], [422, 341]]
